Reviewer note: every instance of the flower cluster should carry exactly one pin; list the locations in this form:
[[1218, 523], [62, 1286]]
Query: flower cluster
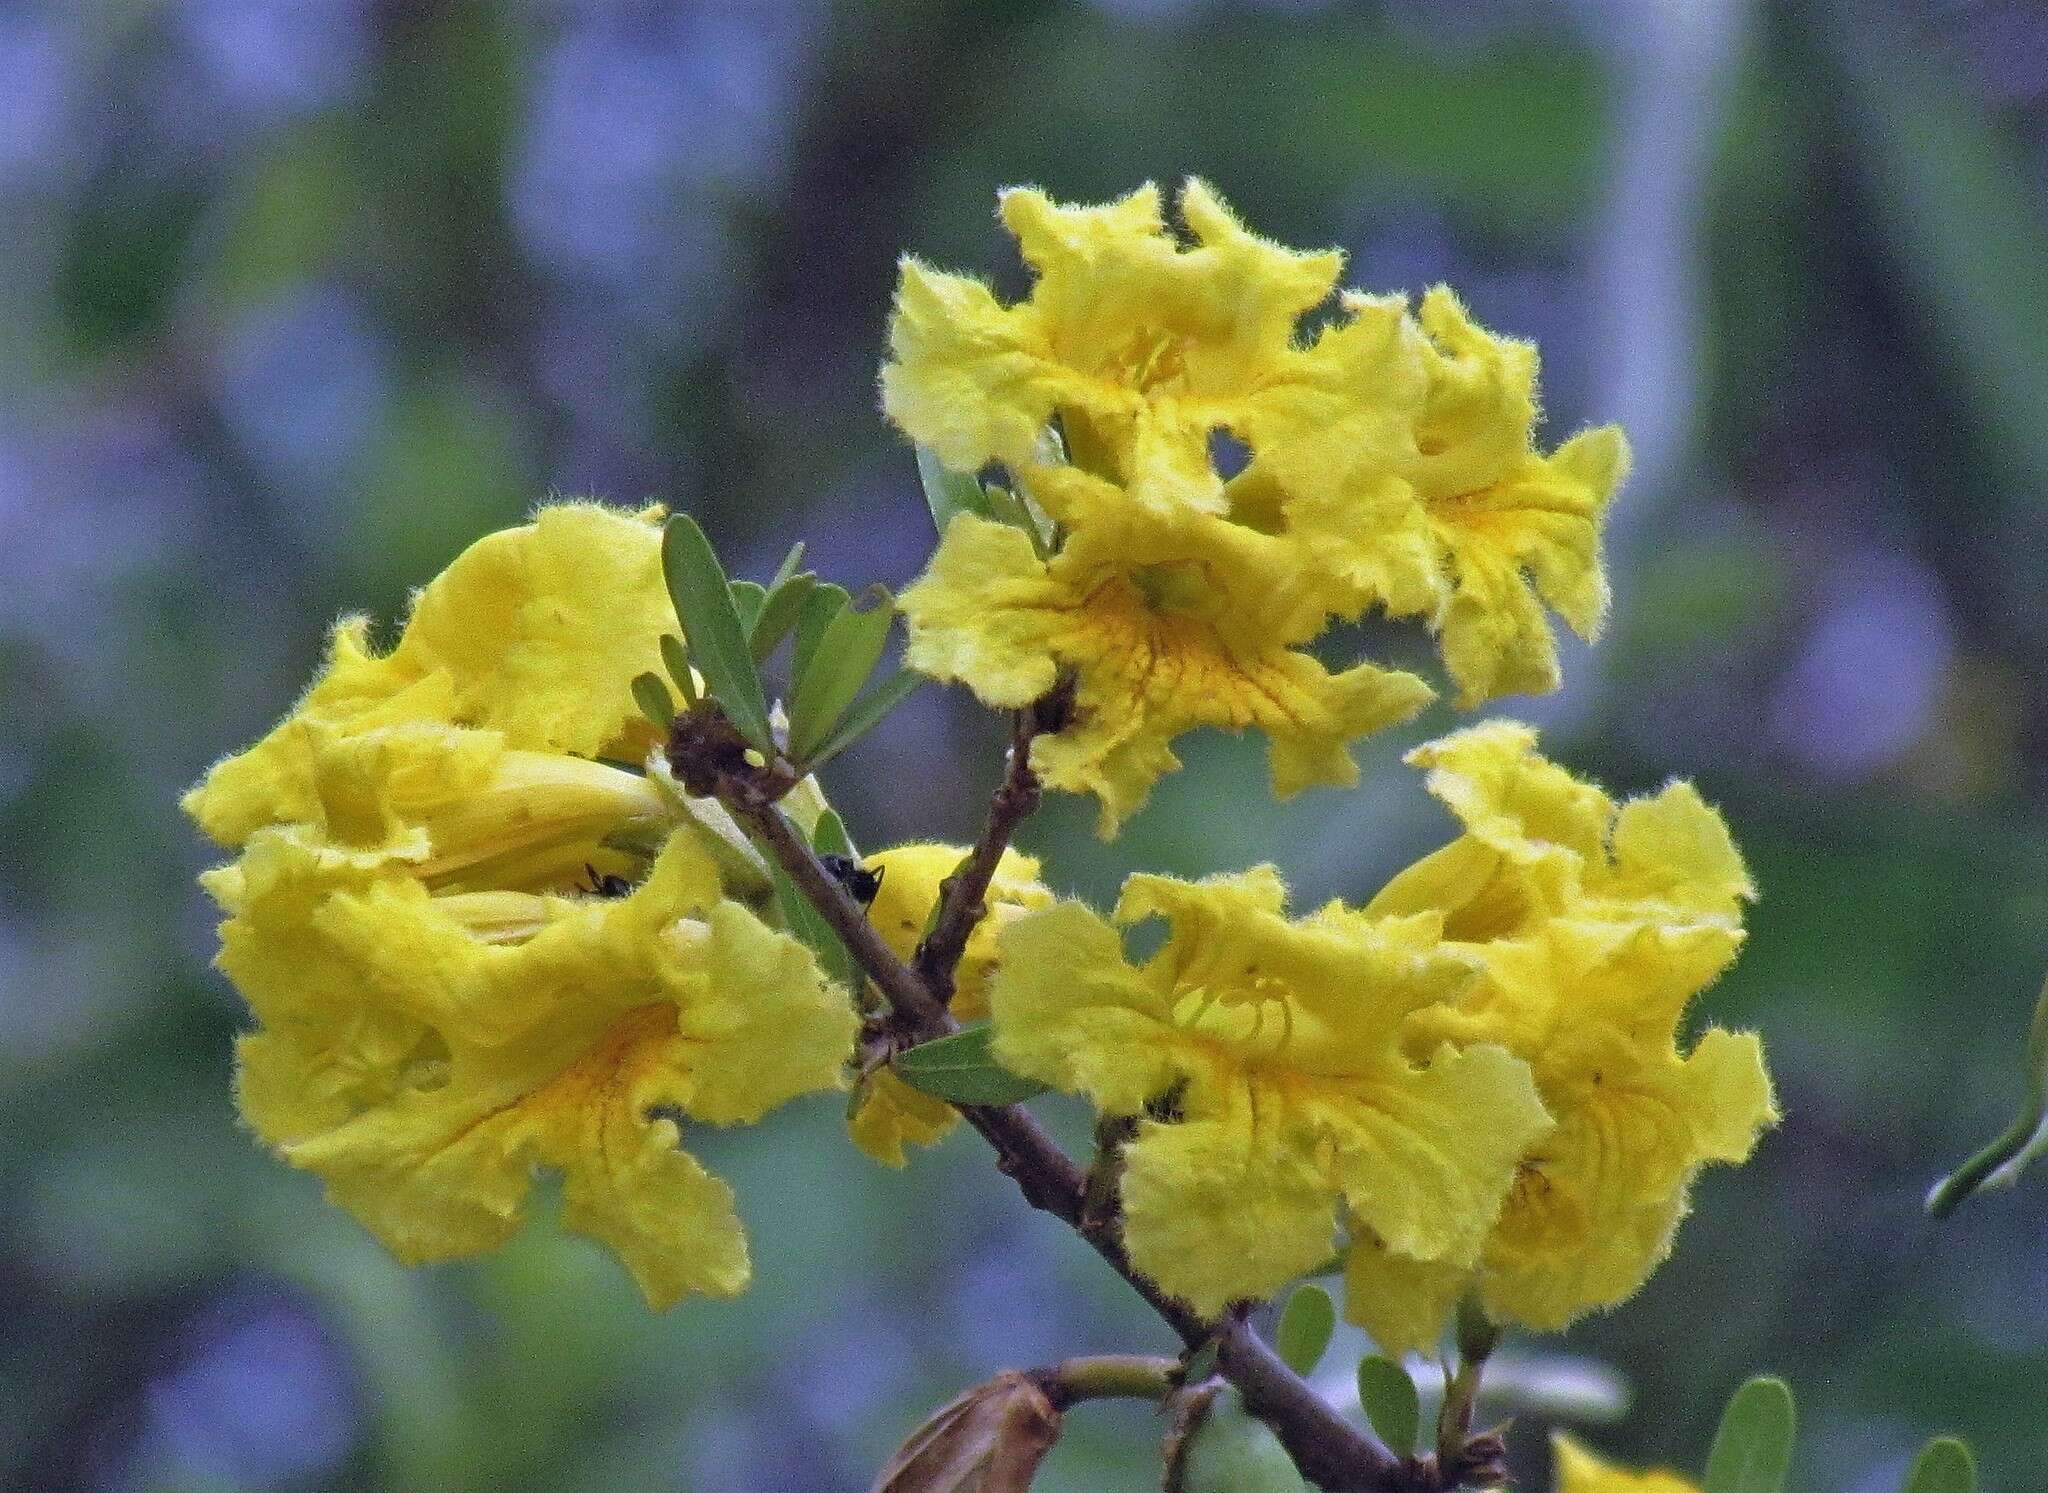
[[1478, 1071], [1388, 463], [477, 936], [483, 928]]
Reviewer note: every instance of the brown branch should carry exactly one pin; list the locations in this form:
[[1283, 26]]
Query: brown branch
[[1328, 1449], [963, 898]]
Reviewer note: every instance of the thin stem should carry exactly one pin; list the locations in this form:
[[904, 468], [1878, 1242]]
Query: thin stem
[[907, 995], [1109, 1376], [963, 899], [1459, 1454]]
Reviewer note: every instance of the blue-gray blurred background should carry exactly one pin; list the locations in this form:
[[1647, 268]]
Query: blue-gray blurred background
[[297, 297]]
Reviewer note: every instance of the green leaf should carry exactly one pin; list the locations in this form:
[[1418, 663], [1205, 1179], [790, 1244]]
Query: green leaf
[[1201, 1364], [947, 492], [1005, 507], [1306, 1323], [960, 1070], [747, 598], [787, 568], [1234, 1452], [846, 655], [812, 931], [830, 836], [1753, 1449], [654, 700], [718, 643], [824, 603], [868, 712], [1943, 1466], [1391, 1405], [779, 614], [676, 659]]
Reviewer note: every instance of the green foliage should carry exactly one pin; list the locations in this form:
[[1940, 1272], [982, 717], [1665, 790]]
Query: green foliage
[[961, 1070], [675, 657], [948, 493], [747, 597], [1306, 1323], [711, 625], [822, 603], [779, 612], [1233, 1452], [1391, 1405], [1752, 1451], [846, 653], [830, 836], [866, 713], [1943, 1466], [654, 700]]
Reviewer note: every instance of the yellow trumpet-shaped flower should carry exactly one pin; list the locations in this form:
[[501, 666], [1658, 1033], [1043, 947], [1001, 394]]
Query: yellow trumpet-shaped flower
[[1515, 528], [1263, 1061], [1469, 526], [887, 1112], [436, 923], [1596, 925], [1580, 1471], [534, 633], [1141, 348], [1165, 624], [422, 1052]]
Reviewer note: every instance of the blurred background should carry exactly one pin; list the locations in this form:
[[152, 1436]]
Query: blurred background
[[298, 297]]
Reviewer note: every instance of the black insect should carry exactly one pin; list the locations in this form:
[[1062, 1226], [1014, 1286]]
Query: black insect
[[604, 884], [860, 883]]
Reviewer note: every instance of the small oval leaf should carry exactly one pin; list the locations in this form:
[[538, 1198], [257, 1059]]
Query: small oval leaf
[[947, 492], [837, 669], [960, 1070], [1943, 1466], [1753, 1449], [824, 602], [1390, 1402], [1234, 1452], [654, 700], [1306, 1323], [779, 614], [868, 712], [747, 597], [676, 659], [718, 643], [829, 836], [787, 568]]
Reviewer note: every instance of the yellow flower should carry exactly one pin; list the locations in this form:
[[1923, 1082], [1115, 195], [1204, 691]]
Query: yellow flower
[[887, 1113], [422, 1052], [1165, 625], [534, 633], [1513, 529], [1596, 926], [1141, 348], [435, 921], [1265, 1058], [1579, 1471]]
